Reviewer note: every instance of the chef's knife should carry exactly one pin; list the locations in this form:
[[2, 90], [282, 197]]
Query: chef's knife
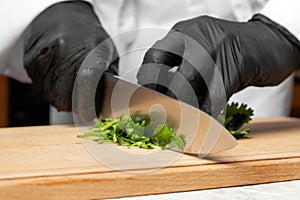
[[203, 133]]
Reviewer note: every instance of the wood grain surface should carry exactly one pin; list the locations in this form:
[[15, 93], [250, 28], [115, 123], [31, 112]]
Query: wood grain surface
[[50, 162]]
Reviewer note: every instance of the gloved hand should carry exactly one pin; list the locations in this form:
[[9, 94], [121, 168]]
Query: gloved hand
[[56, 43], [258, 52]]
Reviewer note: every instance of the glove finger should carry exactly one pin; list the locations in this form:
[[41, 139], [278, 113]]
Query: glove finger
[[159, 59], [199, 83], [49, 74], [88, 79], [167, 51], [187, 85]]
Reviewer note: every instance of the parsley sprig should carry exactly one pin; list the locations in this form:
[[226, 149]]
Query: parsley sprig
[[236, 116]]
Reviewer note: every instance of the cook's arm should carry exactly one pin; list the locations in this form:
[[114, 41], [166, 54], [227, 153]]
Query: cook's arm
[[15, 16], [285, 13], [52, 48], [260, 52]]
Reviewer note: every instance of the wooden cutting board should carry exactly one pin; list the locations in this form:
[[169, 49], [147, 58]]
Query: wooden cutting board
[[50, 162]]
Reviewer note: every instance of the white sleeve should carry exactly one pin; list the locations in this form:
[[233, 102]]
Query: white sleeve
[[15, 16], [285, 13]]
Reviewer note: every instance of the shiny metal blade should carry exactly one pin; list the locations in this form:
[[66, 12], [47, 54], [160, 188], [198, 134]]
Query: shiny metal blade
[[203, 134]]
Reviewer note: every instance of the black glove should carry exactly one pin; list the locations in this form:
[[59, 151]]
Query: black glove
[[56, 43], [258, 52]]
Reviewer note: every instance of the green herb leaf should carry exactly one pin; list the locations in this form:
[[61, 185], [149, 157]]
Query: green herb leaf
[[163, 135], [130, 131], [241, 133], [236, 117], [179, 142]]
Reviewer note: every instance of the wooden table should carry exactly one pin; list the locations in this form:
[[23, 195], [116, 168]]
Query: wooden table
[[50, 162]]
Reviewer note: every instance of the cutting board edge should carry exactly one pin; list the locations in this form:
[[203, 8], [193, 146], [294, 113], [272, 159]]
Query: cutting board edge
[[215, 176]]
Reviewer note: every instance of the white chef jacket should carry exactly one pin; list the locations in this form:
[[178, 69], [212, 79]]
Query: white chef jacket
[[119, 16]]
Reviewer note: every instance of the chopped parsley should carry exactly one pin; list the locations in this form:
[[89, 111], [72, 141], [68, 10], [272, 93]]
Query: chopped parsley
[[131, 131]]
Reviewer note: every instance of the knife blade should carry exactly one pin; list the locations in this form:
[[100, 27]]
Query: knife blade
[[203, 133]]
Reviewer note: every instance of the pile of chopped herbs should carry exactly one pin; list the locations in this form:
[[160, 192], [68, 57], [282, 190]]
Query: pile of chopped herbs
[[236, 117], [131, 131]]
